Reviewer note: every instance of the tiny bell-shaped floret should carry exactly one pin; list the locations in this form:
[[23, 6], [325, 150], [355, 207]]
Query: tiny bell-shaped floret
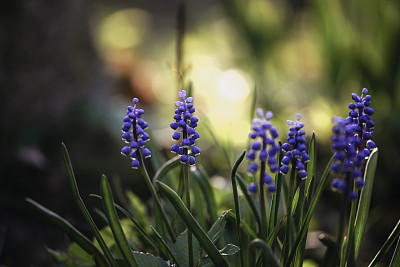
[[134, 134], [184, 126], [253, 188], [295, 148], [263, 149], [351, 143]]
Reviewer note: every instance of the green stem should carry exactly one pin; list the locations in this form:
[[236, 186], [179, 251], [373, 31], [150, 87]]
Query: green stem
[[157, 201], [342, 217], [180, 25], [288, 234], [237, 207], [263, 212], [187, 195]]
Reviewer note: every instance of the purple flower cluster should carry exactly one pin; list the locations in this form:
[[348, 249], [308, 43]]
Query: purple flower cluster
[[134, 134], [352, 143], [184, 126], [295, 148], [264, 149]]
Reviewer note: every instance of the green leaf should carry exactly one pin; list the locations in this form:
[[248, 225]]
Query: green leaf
[[304, 228], [228, 250], [365, 199], [250, 200], [80, 255], [166, 167], [243, 225], [171, 253], [181, 250], [218, 228], [115, 225], [208, 193], [69, 230], [312, 152], [274, 233], [269, 257], [387, 245], [83, 208], [191, 223], [396, 256], [236, 202], [295, 200], [148, 260], [276, 197], [141, 231]]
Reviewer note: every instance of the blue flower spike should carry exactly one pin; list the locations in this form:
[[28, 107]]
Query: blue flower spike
[[184, 127], [295, 149], [134, 135], [263, 149], [351, 143]]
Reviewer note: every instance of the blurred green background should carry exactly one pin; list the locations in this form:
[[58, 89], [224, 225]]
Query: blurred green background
[[69, 68]]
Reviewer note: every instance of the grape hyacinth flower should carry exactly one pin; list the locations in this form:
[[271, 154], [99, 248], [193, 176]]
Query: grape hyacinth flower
[[184, 126], [352, 143], [295, 149], [134, 134], [263, 150]]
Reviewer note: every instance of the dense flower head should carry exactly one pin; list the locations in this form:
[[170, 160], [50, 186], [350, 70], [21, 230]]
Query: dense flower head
[[134, 135], [263, 149], [184, 126], [295, 149], [351, 143]]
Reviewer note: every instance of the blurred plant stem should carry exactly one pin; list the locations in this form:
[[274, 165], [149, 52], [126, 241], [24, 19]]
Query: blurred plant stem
[[180, 25], [157, 201]]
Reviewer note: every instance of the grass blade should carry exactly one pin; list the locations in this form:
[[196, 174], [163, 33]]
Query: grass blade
[[310, 212], [276, 197], [312, 152], [159, 237], [142, 232], [396, 255], [386, 246], [243, 225], [250, 200], [165, 168], [269, 257], [365, 199], [69, 230], [236, 201], [191, 223], [115, 225], [83, 208], [206, 191]]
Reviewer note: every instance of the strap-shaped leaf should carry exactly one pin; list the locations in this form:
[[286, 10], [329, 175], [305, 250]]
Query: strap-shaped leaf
[[171, 253], [250, 200], [83, 208], [166, 167], [191, 223], [149, 260], [142, 232], [365, 200], [386, 246], [310, 212], [115, 225], [269, 257], [236, 201], [312, 152], [396, 255], [243, 225], [69, 230]]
